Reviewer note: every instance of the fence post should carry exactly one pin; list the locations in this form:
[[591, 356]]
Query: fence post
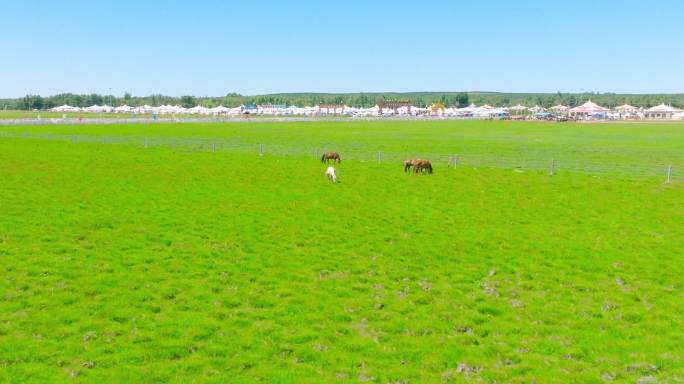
[[213, 147], [146, 143], [261, 149], [173, 144], [379, 156], [316, 153], [669, 174], [553, 168], [455, 162]]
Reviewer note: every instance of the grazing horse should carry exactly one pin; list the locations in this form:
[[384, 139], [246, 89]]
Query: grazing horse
[[410, 163], [422, 165], [331, 155], [330, 172]]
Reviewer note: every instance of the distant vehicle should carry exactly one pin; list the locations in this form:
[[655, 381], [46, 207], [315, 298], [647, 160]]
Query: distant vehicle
[[543, 116]]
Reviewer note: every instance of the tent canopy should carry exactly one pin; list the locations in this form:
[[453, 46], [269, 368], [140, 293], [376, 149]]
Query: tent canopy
[[588, 107], [518, 108], [662, 108]]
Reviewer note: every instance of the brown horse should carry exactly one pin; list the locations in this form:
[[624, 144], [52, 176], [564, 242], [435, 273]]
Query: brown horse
[[410, 163], [422, 165], [334, 156]]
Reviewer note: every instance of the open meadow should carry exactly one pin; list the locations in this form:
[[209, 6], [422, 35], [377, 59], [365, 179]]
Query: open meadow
[[120, 263]]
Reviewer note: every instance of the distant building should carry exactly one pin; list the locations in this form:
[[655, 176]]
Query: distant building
[[330, 109], [394, 106], [272, 109], [272, 106], [249, 108], [661, 112]]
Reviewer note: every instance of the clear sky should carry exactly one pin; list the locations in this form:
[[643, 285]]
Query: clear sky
[[210, 48]]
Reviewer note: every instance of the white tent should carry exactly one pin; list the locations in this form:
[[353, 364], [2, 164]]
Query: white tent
[[124, 109], [626, 108], [349, 111], [289, 111], [93, 108], [678, 116], [488, 113], [462, 112], [415, 111], [587, 109], [66, 108], [406, 111], [372, 111], [144, 109], [308, 111], [469, 109], [168, 109], [220, 110], [518, 108], [234, 111], [199, 110], [560, 108], [537, 109], [271, 110], [451, 111]]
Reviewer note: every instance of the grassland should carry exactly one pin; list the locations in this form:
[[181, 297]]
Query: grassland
[[625, 146], [121, 264]]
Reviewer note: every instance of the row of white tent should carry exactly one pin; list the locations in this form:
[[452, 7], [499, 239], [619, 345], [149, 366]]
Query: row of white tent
[[625, 111], [147, 109], [586, 110], [197, 110], [485, 111], [291, 110]]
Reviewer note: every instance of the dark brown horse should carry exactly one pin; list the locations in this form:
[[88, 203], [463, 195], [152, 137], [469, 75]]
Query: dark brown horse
[[422, 166], [410, 163], [334, 156]]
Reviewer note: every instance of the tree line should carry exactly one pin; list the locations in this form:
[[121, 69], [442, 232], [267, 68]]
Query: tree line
[[364, 100]]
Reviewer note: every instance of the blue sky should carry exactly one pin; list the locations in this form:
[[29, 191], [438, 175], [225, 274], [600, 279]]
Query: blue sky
[[254, 47]]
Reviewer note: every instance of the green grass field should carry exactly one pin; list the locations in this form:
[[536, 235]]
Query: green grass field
[[125, 264], [624, 144]]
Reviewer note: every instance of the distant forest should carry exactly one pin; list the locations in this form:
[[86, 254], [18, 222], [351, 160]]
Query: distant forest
[[420, 99]]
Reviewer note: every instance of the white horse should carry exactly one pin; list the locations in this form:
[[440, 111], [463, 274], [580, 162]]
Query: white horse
[[330, 172]]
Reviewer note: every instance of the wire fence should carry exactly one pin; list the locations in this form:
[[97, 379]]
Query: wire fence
[[164, 119], [360, 152]]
